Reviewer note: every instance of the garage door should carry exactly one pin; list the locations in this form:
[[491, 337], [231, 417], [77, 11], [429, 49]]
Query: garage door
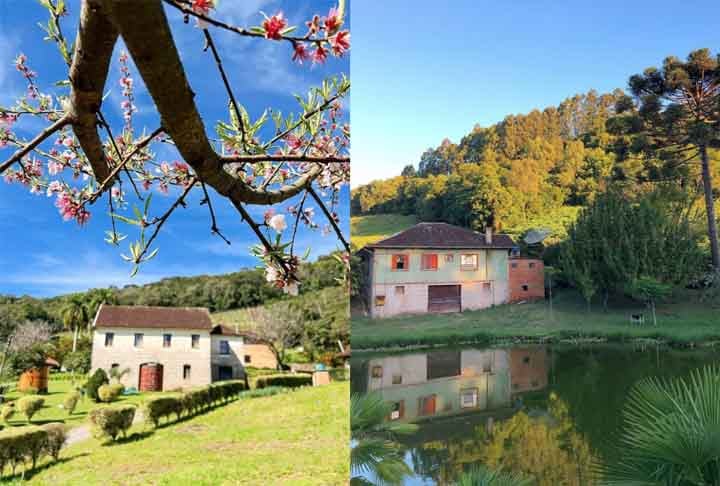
[[444, 298]]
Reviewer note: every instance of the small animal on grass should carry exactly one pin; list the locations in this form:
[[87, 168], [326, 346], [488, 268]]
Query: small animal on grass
[[637, 319]]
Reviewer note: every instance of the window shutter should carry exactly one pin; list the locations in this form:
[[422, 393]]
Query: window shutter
[[434, 261]]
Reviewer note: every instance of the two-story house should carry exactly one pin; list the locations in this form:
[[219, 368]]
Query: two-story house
[[165, 347], [436, 267]]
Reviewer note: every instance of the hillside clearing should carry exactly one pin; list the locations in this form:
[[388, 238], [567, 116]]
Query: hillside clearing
[[375, 227]]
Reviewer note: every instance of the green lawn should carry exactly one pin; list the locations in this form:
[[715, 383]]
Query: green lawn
[[686, 319], [52, 412], [375, 227], [300, 438]]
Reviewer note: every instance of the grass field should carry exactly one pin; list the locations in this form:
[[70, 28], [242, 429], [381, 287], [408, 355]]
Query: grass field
[[684, 320], [375, 227], [52, 412], [300, 438]]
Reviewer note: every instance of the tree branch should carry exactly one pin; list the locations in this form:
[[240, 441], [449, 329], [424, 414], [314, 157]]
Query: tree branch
[[329, 217], [328, 159], [19, 154]]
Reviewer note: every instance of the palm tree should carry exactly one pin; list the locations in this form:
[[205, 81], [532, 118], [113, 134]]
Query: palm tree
[[374, 450], [74, 314], [671, 433], [481, 476], [97, 297]]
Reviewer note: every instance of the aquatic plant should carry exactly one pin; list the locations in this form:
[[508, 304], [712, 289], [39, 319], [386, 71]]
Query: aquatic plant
[[374, 451], [481, 476], [671, 433]]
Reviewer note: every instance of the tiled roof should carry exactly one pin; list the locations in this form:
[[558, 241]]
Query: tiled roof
[[153, 317], [442, 235]]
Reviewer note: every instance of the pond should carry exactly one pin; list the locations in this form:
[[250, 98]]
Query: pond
[[547, 411]]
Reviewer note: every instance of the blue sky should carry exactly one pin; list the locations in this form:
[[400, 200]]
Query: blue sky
[[41, 255], [422, 72]]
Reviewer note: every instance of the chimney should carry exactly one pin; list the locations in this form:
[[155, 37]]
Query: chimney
[[488, 235]]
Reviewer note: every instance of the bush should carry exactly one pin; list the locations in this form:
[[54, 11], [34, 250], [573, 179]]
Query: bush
[[98, 379], [109, 393], [29, 406], [290, 381], [118, 388], [191, 402], [20, 444], [8, 411], [71, 401], [56, 436], [162, 407], [112, 421]]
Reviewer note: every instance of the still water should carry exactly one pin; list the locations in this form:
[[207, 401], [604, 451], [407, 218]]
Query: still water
[[547, 411]]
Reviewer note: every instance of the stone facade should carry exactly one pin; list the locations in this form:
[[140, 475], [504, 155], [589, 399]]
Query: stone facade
[[123, 353]]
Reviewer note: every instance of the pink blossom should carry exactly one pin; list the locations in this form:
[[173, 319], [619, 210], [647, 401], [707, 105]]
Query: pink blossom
[[181, 167], [54, 167], [300, 52], [70, 209], [320, 55], [332, 21], [116, 193], [293, 141], [68, 155], [53, 187], [277, 223], [7, 119], [68, 142], [147, 184], [340, 42], [274, 25], [203, 6], [269, 214], [163, 187]]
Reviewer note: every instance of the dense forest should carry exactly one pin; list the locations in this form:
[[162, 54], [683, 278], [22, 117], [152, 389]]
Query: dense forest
[[530, 170], [245, 288]]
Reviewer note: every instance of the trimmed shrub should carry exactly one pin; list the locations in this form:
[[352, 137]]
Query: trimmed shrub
[[98, 379], [118, 388], [29, 406], [157, 408], [109, 393], [290, 381], [56, 436], [21, 444], [8, 411], [112, 421], [71, 401]]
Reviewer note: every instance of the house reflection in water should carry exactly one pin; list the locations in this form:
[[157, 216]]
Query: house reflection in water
[[424, 385]]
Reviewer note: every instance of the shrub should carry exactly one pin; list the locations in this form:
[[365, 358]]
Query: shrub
[[290, 381], [56, 436], [98, 379], [29, 406], [109, 393], [112, 421], [20, 444], [118, 388], [71, 401], [162, 407], [8, 411]]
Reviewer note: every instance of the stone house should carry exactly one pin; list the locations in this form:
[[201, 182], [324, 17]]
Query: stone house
[[436, 267], [165, 347]]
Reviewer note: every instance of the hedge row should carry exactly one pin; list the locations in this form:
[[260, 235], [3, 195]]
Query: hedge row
[[191, 402], [112, 421], [21, 445], [290, 381]]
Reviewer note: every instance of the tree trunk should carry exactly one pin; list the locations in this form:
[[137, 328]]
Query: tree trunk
[[652, 307], [710, 208], [75, 338]]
